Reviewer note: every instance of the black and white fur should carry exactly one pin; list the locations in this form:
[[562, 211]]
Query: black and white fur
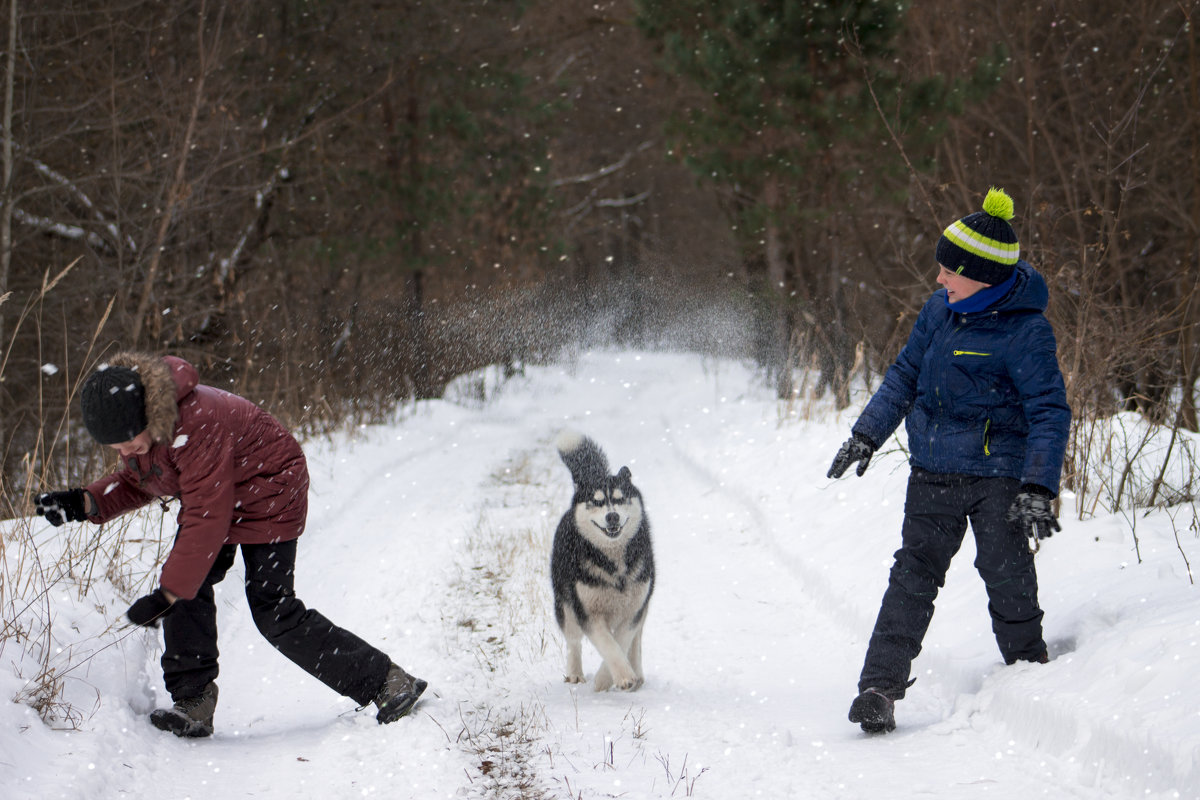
[[602, 567]]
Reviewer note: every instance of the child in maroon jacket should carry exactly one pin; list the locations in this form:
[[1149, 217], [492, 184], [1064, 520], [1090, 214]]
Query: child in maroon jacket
[[242, 481]]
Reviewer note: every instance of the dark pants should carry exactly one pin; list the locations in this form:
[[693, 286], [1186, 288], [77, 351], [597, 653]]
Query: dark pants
[[936, 511], [332, 655]]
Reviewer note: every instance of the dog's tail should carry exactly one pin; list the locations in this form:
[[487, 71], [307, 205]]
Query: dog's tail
[[583, 457]]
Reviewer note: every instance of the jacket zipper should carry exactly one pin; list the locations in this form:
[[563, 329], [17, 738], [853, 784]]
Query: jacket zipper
[[987, 425]]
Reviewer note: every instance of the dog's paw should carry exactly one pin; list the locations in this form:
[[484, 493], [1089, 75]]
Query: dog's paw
[[574, 679], [626, 682]]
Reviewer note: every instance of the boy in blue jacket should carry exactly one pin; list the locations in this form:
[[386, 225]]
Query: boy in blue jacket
[[980, 391]]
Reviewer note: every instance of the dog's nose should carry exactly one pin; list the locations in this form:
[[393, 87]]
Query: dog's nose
[[613, 519]]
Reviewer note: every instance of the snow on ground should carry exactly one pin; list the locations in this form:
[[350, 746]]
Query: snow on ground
[[430, 537]]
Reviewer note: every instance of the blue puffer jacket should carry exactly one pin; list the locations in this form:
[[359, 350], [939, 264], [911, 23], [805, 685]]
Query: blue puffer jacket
[[980, 393]]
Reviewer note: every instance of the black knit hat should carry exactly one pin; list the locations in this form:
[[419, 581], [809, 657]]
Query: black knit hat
[[113, 401], [982, 246]]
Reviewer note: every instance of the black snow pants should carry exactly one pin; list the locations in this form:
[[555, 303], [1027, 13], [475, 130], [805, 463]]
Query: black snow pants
[[936, 510], [332, 655]]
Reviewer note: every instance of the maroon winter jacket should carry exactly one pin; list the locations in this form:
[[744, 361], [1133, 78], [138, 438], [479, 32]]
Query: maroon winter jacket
[[240, 476]]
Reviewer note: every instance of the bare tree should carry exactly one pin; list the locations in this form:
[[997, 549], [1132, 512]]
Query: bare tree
[[6, 213]]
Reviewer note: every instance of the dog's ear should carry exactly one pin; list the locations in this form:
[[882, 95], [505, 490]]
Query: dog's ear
[[625, 476]]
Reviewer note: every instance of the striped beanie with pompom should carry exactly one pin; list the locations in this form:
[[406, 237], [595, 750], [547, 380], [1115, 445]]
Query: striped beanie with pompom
[[982, 246]]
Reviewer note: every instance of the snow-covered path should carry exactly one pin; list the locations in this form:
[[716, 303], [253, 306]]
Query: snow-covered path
[[430, 538], [752, 650]]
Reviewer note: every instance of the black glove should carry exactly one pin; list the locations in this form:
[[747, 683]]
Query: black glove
[[60, 507], [146, 611], [1032, 511], [856, 448]]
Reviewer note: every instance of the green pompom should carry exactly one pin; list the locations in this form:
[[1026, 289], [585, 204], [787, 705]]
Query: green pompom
[[998, 204]]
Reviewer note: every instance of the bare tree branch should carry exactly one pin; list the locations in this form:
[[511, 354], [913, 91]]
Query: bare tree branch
[[176, 192], [607, 170]]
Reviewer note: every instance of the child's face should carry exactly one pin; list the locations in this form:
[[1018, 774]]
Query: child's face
[[957, 286], [138, 445]]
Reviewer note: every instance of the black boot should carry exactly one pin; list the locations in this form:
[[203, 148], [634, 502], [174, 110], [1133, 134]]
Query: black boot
[[398, 694], [191, 717], [874, 710]]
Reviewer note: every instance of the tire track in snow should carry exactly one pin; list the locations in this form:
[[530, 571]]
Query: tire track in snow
[[822, 592], [1090, 748], [318, 484]]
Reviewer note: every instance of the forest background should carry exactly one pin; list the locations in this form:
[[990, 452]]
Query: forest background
[[334, 208]]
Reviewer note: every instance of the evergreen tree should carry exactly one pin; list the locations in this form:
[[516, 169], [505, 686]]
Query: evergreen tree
[[798, 100], [441, 144]]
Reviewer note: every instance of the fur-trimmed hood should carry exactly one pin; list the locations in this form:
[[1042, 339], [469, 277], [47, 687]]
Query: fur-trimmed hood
[[239, 474], [166, 381]]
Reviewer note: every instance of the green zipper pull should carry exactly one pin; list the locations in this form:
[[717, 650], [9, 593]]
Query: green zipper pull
[[969, 353]]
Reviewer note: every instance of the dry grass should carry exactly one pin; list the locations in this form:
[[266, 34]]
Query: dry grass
[[496, 596], [38, 562]]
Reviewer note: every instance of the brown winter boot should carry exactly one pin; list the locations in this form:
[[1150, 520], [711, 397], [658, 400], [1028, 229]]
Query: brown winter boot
[[398, 694], [190, 717]]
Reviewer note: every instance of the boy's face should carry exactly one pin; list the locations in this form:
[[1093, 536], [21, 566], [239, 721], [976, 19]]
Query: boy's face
[[957, 286], [137, 446]]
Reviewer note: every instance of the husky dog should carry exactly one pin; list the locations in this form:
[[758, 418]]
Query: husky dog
[[601, 567]]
